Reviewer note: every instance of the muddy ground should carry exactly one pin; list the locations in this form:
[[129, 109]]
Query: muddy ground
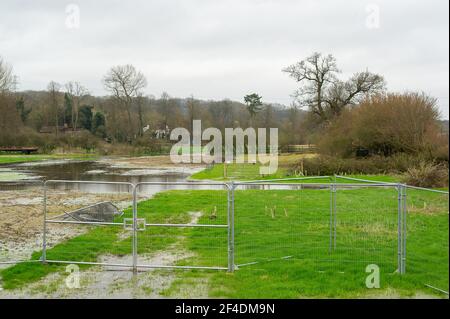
[[113, 282], [153, 162]]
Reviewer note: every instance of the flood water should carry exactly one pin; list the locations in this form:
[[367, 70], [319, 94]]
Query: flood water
[[95, 171], [99, 177]]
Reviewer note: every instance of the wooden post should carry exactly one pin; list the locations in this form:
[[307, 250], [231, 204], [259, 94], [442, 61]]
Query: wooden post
[[224, 169]]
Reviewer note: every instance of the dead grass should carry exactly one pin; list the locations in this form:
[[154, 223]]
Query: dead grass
[[22, 217]]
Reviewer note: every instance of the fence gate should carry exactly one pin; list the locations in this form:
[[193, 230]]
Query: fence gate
[[87, 222], [185, 225]]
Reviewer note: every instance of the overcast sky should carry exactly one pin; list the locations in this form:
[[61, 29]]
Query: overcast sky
[[225, 49]]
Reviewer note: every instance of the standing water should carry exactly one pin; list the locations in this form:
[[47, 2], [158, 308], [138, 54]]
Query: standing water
[[100, 172]]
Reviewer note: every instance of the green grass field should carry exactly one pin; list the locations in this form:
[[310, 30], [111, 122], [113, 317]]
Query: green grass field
[[247, 172], [271, 225]]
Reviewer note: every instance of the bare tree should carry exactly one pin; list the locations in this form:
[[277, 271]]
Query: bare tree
[[76, 92], [53, 91], [7, 78], [192, 111], [222, 114], [125, 83], [165, 108], [323, 93], [140, 102]]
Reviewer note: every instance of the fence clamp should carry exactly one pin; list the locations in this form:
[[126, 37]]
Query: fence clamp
[[128, 224]]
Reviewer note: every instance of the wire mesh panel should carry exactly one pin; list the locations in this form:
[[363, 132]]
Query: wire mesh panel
[[278, 223], [427, 239], [365, 228], [182, 225], [21, 219], [85, 222]]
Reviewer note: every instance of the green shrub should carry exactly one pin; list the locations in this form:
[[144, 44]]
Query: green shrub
[[386, 125], [329, 165]]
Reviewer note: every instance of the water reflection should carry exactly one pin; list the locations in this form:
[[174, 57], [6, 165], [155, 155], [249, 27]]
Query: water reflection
[[94, 171], [98, 172]]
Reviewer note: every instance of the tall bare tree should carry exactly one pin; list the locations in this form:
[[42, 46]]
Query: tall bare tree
[[140, 102], [53, 99], [10, 122], [322, 91], [76, 92], [192, 112], [125, 83], [165, 108], [7, 78]]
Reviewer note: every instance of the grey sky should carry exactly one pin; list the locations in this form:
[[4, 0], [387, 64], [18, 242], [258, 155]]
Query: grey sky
[[215, 49]]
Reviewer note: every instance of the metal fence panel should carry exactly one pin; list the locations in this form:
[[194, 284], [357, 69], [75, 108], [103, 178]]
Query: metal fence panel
[[85, 223], [281, 222], [367, 229], [323, 227], [183, 225], [427, 238]]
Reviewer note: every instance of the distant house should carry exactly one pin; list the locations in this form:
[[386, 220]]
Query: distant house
[[158, 133]]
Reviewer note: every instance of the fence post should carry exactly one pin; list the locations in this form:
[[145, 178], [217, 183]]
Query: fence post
[[231, 266], [44, 233], [404, 231], [335, 213], [399, 228], [134, 241], [225, 169], [331, 219], [229, 226]]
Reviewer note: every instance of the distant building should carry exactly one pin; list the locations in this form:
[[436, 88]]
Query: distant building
[[158, 133]]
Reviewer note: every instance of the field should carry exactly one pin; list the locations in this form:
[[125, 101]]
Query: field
[[270, 226], [246, 172]]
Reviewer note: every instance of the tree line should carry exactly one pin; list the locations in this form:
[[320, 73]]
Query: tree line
[[340, 115]]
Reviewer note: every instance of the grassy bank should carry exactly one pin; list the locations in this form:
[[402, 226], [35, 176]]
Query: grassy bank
[[283, 237], [248, 172]]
